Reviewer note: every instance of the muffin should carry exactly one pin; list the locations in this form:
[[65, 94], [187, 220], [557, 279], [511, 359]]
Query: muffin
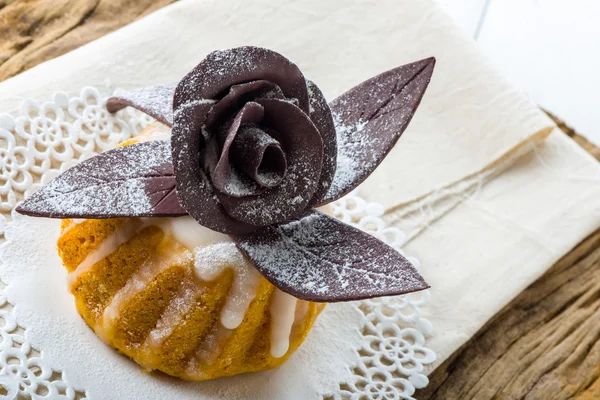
[[177, 297]]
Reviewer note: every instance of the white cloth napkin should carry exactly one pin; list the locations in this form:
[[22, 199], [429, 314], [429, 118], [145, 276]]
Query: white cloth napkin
[[489, 203]]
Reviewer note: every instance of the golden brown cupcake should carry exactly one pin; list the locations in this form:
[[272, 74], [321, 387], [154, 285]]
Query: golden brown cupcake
[[177, 297]]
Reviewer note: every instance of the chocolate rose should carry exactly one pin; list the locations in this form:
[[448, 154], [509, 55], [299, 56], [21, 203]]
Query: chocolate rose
[[254, 147], [249, 126]]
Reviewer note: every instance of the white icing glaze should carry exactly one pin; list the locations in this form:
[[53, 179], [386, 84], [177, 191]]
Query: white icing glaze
[[188, 232], [213, 252], [136, 283], [180, 305], [72, 223], [301, 311], [211, 261], [108, 246], [208, 350], [283, 310]]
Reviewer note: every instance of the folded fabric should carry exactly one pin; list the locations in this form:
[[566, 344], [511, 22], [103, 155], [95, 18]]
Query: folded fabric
[[504, 235], [488, 202]]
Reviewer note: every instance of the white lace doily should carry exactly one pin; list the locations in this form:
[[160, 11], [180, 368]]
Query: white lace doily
[[378, 352]]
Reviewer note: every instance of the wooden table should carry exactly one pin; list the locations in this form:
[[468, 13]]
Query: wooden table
[[544, 345]]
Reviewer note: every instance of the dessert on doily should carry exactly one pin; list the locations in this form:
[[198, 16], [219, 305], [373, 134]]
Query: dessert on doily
[[197, 248]]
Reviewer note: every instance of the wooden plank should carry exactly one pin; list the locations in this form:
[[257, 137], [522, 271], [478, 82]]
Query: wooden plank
[[544, 345], [34, 31]]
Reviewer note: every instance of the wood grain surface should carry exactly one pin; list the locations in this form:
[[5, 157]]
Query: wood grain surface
[[544, 345], [34, 31]]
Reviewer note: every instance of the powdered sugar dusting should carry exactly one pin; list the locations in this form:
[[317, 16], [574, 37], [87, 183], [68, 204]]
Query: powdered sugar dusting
[[269, 178], [209, 348], [191, 104], [238, 184], [136, 283], [211, 261], [179, 306], [304, 164], [370, 118], [312, 97], [320, 115], [355, 156], [222, 63], [156, 101], [321, 259], [297, 171], [114, 183], [226, 60]]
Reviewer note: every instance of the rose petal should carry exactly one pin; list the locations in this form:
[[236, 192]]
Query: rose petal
[[260, 156], [193, 187], [222, 69], [224, 178], [320, 115], [156, 101], [191, 116], [239, 95], [304, 151]]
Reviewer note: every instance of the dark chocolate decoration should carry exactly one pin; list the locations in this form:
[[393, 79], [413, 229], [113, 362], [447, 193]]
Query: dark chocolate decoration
[[320, 115], [247, 115], [369, 120], [131, 181], [194, 189], [254, 147], [318, 258], [238, 96], [156, 101], [304, 155], [270, 166], [224, 177], [222, 69]]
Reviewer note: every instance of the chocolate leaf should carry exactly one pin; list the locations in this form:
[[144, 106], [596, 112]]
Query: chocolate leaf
[[369, 120], [156, 101], [319, 258], [131, 181]]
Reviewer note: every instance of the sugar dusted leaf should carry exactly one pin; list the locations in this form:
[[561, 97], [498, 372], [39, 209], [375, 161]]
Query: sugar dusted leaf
[[369, 120], [319, 258], [156, 101], [131, 181]]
